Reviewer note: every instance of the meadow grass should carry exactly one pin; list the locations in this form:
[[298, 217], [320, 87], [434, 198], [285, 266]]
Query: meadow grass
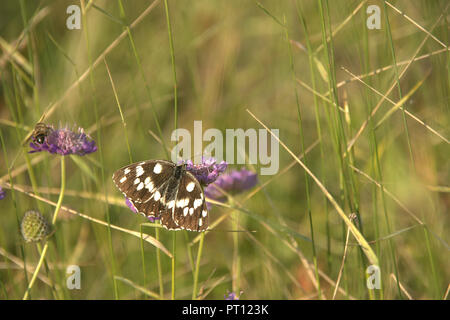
[[363, 116]]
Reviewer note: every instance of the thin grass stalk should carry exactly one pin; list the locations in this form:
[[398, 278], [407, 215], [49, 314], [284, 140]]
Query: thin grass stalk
[[174, 250], [55, 215], [302, 146], [158, 266], [19, 119], [347, 173], [344, 256], [172, 60], [331, 116], [144, 269], [13, 197], [236, 264], [365, 58], [349, 192], [197, 266], [52, 286], [318, 127], [144, 272], [124, 124], [30, 55], [138, 61], [146, 84], [100, 148], [174, 74], [408, 140], [189, 252]]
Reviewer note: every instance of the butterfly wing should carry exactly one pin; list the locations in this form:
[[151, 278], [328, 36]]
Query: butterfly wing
[[144, 184], [189, 209]]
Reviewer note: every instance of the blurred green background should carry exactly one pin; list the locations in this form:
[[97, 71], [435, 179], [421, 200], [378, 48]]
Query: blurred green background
[[230, 56]]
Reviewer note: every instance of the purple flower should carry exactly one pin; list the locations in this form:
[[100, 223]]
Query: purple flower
[[133, 208], [64, 141], [206, 172], [130, 205], [232, 295], [2, 193], [234, 182]]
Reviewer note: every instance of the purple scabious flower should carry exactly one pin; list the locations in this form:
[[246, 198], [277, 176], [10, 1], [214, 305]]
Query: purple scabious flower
[[133, 208], [233, 182], [2, 193], [232, 295], [206, 172], [64, 141]]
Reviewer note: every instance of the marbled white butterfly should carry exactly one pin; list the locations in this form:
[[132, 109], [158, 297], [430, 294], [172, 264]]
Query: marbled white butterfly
[[162, 189]]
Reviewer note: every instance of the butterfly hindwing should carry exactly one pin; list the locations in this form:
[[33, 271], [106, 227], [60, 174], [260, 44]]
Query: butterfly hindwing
[[189, 208], [149, 209]]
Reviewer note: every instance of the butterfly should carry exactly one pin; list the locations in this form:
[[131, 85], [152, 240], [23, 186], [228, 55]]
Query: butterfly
[[165, 190]]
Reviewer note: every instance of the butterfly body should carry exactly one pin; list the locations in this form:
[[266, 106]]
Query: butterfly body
[[162, 189]]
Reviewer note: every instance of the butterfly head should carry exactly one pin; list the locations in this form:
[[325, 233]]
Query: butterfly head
[[179, 170]]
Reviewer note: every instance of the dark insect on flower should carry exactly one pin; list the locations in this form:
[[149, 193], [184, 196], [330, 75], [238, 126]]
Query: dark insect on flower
[[62, 141], [40, 133], [34, 226], [165, 190]]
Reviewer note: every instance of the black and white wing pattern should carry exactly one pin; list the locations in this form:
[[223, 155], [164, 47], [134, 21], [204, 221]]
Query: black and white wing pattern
[[190, 205], [162, 189]]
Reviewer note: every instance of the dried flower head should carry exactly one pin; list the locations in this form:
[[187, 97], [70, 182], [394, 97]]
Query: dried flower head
[[64, 141], [207, 171], [2, 193], [233, 182], [34, 226], [132, 208]]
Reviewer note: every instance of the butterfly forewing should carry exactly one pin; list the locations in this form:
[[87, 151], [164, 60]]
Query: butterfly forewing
[[161, 189], [140, 181]]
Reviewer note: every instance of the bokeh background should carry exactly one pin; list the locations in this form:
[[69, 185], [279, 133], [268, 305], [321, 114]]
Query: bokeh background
[[295, 65]]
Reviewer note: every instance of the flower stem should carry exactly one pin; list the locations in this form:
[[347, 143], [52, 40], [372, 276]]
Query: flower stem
[[39, 249], [55, 214], [236, 267], [174, 247], [143, 257], [158, 265], [63, 188], [197, 266]]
